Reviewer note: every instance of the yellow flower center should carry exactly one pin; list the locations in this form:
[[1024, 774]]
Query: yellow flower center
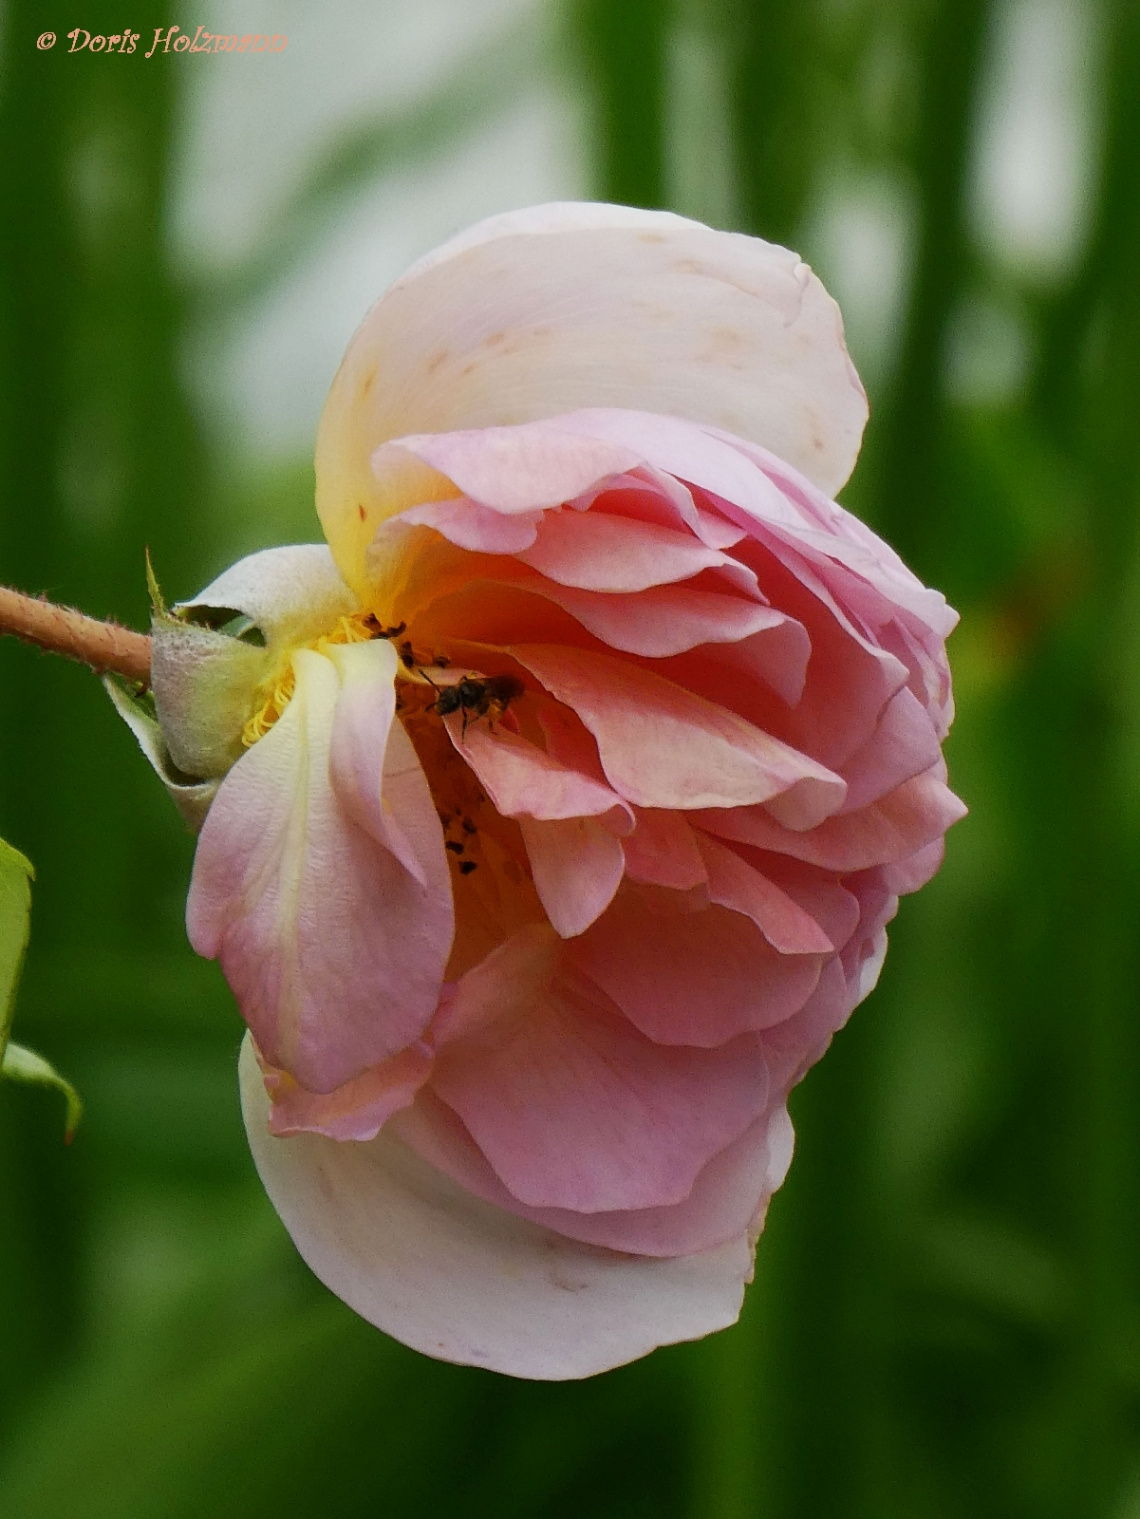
[[276, 695]]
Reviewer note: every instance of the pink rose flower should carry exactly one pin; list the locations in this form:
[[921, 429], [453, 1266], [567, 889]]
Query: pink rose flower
[[576, 790]]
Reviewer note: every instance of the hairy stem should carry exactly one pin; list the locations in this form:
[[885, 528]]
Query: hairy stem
[[102, 645]]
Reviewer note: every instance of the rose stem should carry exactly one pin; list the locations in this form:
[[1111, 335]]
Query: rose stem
[[102, 645]]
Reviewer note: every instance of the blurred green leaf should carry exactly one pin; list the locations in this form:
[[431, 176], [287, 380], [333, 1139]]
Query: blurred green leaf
[[30, 1069], [17, 1063], [15, 921], [16, 877]]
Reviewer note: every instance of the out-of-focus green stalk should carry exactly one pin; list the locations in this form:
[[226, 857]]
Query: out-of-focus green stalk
[[98, 448], [906, 437], [625, 48], [773, 47], [38, 290], [1106, 826]]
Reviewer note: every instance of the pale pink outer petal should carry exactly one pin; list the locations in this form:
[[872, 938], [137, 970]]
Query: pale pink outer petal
[[421, 1258], [597, 552], [334, 950], [513, 469], [663, 746], [471, 526], [567, 306]]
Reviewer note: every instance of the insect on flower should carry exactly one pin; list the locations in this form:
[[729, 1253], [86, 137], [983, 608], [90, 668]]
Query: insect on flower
[[475, 698]]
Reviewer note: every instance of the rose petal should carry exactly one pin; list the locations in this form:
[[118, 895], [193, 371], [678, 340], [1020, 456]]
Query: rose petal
[[686, 977], [358, 1109], [455, 1278], [576, 1109], [577, 865], [662, 851], [292, 593], [522, 780], [736, 884], [334, 950], [596, 552], [721, 1206], [514, 469], [903, 745], [669, 619], [469, 525], [543, 311], [663, 746], [896, 826]]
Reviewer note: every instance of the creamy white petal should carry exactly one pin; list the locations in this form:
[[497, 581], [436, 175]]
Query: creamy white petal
[[461, 1280], [545, 311], [292, 593]]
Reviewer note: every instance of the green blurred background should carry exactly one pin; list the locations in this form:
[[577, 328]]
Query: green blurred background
[[946, 1318]]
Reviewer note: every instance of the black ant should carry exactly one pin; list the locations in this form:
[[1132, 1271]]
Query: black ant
[[393, 632], [477, 698]]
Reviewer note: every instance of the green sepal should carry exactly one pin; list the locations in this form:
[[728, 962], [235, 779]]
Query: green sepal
[[28, 1068], [191, 794], [154, 590]]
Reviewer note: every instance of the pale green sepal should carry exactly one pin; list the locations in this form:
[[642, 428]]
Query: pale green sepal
[[192, 797], [209, 656], [16, 877], [204, 683], [30, 1069]]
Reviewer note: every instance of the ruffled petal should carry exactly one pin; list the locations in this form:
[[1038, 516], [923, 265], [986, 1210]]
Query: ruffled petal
[[523, 780], [560, 307], [662, 851], [513, 469], [572, 1106], [688, 974], [787, 926], [723, 1203], [420, 1257], [663, 746], [906, 820], [334, 949], [577, 865], [357, 1110]]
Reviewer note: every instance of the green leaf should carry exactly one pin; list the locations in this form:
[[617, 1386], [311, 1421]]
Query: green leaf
[[16, 1062], [16, 877], [30, 1069]]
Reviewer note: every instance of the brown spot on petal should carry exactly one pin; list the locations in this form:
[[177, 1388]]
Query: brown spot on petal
[[361, 509], [369, 381], [437, 358]]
